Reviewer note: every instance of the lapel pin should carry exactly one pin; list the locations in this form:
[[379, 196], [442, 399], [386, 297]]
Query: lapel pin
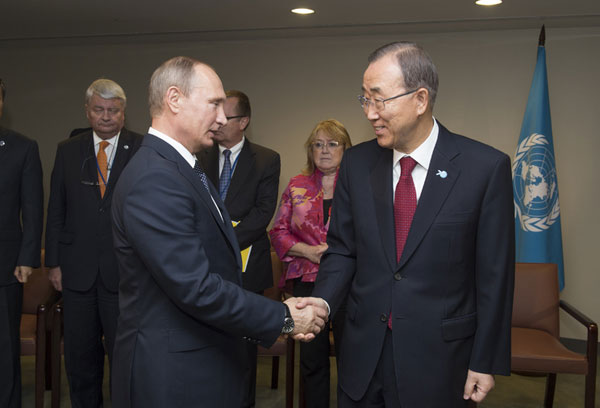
[[126, 147], [442, 174], [2, 143]]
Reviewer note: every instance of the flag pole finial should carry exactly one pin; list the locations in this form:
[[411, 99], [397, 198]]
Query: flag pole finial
[[542, 40]]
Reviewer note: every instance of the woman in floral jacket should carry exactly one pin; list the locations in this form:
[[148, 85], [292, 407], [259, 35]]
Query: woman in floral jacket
[[298, 236]]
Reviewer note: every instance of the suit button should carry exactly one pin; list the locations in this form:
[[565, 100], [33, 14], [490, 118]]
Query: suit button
[[383, 318], [397, 276], [101, 210]]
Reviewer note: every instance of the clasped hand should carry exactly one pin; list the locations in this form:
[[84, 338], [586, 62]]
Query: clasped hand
[[310, 315]]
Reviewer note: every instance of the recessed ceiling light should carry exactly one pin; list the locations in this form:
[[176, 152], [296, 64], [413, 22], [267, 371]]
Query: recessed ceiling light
[[303, 11], [488, 2]]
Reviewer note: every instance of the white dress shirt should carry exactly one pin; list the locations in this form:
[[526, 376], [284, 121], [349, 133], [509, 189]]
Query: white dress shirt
[[422, 155]]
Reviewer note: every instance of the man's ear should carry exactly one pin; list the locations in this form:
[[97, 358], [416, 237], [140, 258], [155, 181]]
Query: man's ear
[[173, 98], [422, 98], [244, 122]]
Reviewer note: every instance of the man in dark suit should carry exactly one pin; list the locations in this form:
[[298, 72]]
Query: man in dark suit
[[422, 242], [79, 247], [248, 178], [21, 217], [184, 318]]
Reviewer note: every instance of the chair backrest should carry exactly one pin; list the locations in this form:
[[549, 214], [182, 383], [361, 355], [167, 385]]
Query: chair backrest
[[275, 293], [37, 290], [536, 299]]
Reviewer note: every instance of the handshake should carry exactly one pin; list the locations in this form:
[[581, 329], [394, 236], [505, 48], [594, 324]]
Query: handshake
[[310, 316]]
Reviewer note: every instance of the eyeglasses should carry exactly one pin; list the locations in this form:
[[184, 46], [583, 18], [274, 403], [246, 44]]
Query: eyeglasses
[[379, 104], [332, 144], [234, 117]]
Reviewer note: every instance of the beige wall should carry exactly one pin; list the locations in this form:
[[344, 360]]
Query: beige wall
[[295, 82]]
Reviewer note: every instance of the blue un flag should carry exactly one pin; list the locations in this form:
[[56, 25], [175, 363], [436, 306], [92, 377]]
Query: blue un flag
[[535, 185]]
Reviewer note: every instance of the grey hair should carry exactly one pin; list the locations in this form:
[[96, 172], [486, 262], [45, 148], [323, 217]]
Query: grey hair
[[179, 72], [106, 89], [417, 67]]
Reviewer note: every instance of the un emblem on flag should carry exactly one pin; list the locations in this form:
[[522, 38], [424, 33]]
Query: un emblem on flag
[[535, 184]]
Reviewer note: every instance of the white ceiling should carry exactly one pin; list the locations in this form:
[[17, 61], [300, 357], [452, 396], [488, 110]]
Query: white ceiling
[[36, 19]]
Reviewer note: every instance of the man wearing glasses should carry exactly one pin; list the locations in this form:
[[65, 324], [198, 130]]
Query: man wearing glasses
[[79, 248], [247, 177], [422, 241], [21, 219]]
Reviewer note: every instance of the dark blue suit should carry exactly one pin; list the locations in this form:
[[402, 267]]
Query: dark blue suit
[[183, 315], [451, 292]]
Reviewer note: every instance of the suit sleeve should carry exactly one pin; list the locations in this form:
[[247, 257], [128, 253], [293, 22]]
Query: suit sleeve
[[56, 210], [254, 224], [176, 244], [495, 265], [338, 264], [32, 208]]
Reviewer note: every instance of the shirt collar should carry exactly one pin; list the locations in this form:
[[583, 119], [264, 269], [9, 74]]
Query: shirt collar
[[234, 149], [112, 141], [185, 153], [422, 154]]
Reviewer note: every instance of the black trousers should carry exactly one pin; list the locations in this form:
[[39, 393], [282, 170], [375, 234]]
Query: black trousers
[[314, 356], [89, 316], [11, 305], [382, 392]]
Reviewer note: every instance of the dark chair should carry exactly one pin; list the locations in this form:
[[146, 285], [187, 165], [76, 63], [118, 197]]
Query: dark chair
[[282, 347], [536, 349], [38, 297]]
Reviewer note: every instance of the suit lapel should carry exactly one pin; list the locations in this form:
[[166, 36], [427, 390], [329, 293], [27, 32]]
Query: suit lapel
[[89, 170], [169, 153], [381, 183], [245, 161], [122, 155], [435, 191], [224, 223]]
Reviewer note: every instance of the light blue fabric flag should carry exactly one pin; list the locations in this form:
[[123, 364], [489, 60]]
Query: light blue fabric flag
[[535, 185]]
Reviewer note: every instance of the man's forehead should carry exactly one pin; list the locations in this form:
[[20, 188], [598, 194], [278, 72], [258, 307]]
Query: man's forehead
[[98, 100]]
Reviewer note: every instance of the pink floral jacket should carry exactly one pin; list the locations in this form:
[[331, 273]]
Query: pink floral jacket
[[299, 219]]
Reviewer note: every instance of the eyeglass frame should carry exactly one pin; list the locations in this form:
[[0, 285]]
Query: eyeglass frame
[[235, 117], [81, 172], [365, 103], [331, 145]]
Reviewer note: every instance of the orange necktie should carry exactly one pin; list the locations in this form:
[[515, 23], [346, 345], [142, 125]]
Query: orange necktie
[[102, 167]]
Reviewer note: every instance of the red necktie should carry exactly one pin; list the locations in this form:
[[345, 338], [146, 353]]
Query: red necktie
[[405, 204]]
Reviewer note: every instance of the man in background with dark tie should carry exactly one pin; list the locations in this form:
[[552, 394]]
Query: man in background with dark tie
[[79, 249], [247, 176], [21, 218], [421, 241]]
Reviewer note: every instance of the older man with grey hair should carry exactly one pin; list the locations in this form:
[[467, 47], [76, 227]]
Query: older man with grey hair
[[79, 241]]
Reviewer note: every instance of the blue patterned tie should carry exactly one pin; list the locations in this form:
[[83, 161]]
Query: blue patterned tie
[[225, 179], [202, 175]]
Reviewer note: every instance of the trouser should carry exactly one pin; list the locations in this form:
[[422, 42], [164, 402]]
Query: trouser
[[11, 305], [89, 316]]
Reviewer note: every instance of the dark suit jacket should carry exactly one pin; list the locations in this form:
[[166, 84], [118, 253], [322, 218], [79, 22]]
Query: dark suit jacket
[[251, 199], [78, 227], [183, 314], [21, 204], [451, 292]]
